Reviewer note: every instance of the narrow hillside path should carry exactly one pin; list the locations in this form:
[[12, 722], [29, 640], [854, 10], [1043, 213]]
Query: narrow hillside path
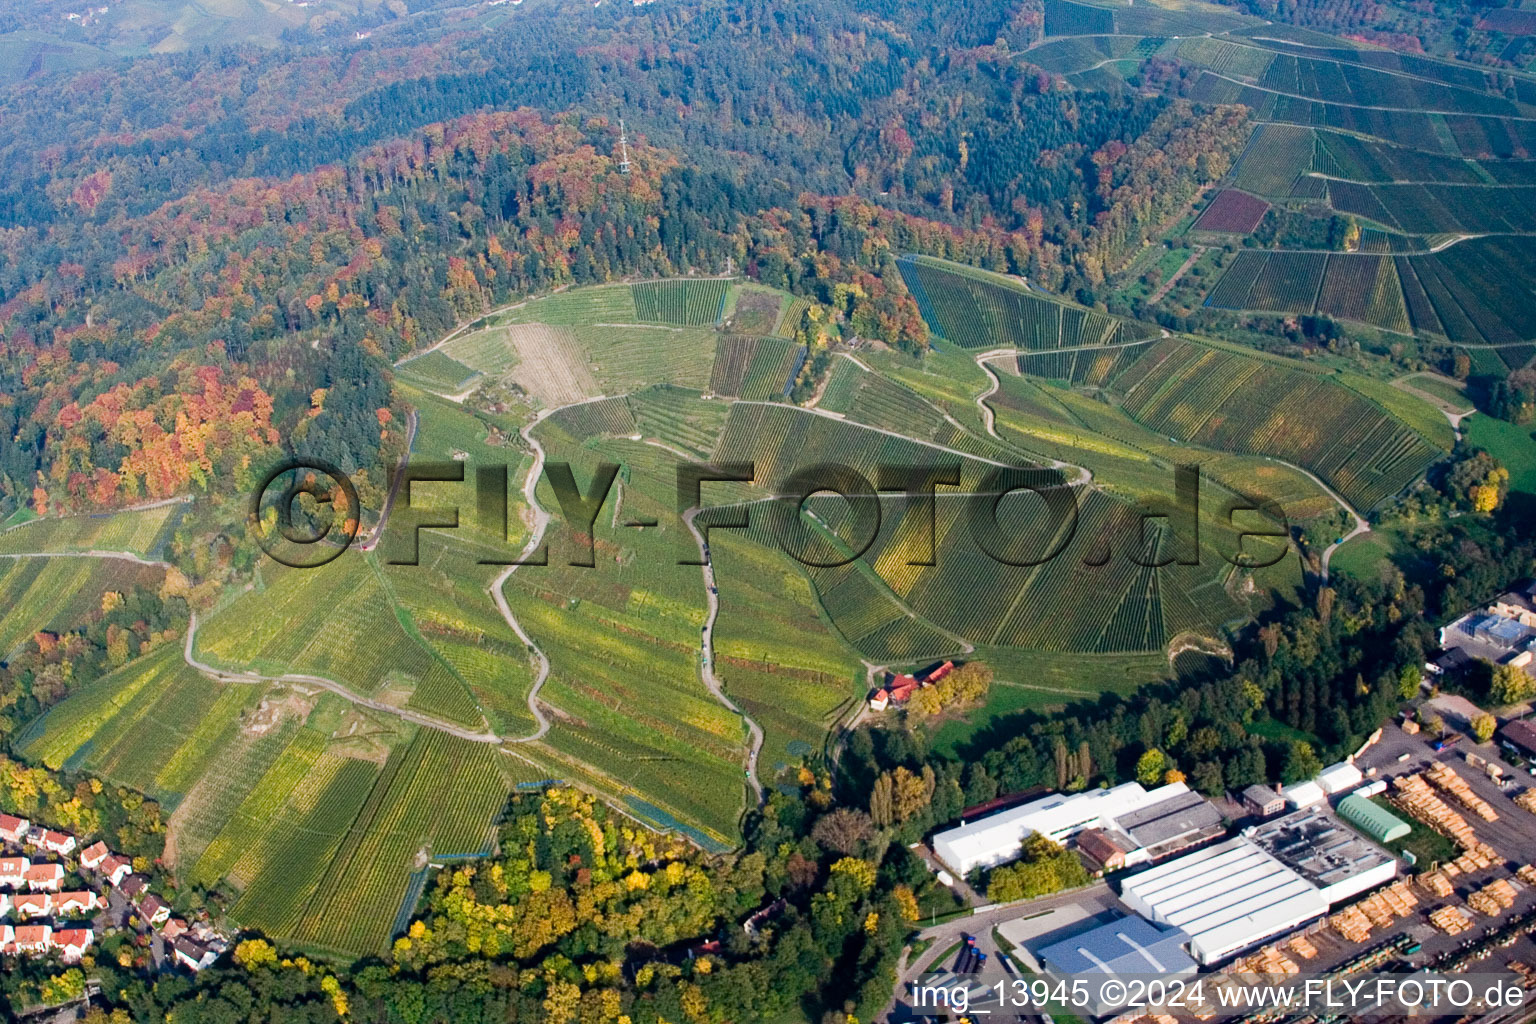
[[394, 487], [1173, 279], [415, 717], [707, 658], [1084, 474]]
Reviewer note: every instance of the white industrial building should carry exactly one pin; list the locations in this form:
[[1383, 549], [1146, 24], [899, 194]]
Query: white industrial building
[[1146, 822], [1339, 778], [1329, 854], [1227, 898], [1303, 794]]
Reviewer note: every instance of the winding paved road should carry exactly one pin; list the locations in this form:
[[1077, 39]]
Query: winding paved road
[[707, 657]]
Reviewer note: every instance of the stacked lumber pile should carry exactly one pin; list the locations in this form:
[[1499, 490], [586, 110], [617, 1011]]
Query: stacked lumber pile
[[1527, 800], [1444, 777], [1451, 920], [1351, 924], [1302, 947], [1387, 905], [1526, 873], [1494, 898], [1473, 859], [1435, 883], [1415, 796], [1268, 960]]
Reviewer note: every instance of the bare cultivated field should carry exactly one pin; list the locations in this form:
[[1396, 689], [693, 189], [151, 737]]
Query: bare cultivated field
[[550, 364]]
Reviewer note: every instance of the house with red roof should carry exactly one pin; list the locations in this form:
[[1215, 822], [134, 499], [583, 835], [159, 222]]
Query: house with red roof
[[116, 869], [34, 904], [174, 929], [879, 700], [31, 938], [154, 909], [94, 855], [13, 871], [77, 903], [12, 828], [45, 877], [73, 942], [58, 842]]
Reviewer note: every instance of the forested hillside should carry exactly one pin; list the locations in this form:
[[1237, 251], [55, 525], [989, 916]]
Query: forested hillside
[[279, 225]]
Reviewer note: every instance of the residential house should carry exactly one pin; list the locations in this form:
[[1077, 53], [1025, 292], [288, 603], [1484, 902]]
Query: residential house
[[753, 923], [45, 877], [77, 903], [7, 939], [61, 843], [13, 871], [174, 929], [73, 942], [879, 700], [5, 904], [192, 955], [31, 938], [32, 904], [134, 886], [154, 909], [13, 829], [94, 855], [116, 869]]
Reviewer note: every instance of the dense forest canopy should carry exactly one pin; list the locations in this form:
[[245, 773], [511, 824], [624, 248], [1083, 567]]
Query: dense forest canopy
[[282, 224]]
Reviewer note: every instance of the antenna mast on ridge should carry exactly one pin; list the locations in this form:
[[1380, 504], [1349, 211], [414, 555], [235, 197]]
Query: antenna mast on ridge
[[623, 148]]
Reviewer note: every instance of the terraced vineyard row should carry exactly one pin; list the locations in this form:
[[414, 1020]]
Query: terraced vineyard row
[[683, 303], [679, 418], [1236, 403], [1090, 367], [1350, 286], [753, 368], [610, 416], [140, 532], [976, 309], [411, 809]]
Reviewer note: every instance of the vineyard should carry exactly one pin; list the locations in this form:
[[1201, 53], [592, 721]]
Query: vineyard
[[679, 418], [682, 303], [488, 351], [1351, 286], [1231, 212], [410, 811], [1438, 208], [1237, 403], [1275, 156], [980, 310], [1086, 367], [624, 358], [1057, 606], [610, 416], [575, 307], [753, 368], [58, 594], [437, 371], [138, 532], [1064, 18]]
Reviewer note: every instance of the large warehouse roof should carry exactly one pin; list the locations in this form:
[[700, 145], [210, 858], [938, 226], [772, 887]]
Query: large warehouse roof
[[1326, 852], [1130, 945], [1227, 897]]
